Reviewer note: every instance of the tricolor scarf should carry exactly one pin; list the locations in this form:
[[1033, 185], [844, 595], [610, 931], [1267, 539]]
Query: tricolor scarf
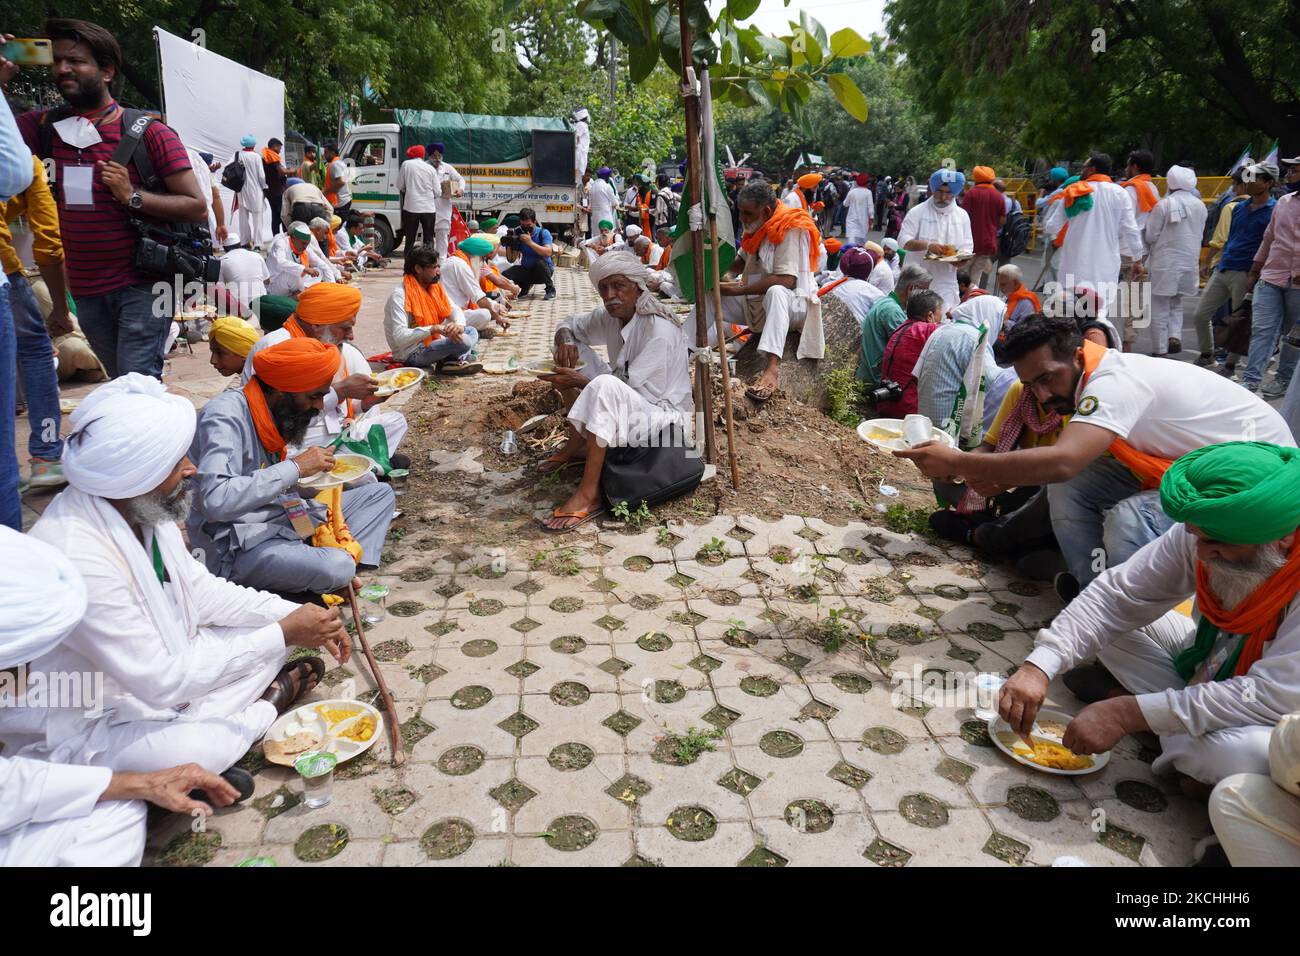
[[1148, 468], [782, 220], [429, 307], [1147, 194], [304, 257], [1026, 413]]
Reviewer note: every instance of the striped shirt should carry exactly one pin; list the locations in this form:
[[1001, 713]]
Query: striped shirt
[[99, 242]]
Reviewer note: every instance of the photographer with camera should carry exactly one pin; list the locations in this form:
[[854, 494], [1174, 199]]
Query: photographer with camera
[[101, 155], [896, 396], [532, 245], [886, 315]]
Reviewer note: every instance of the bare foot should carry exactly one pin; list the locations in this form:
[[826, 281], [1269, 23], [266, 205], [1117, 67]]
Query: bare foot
[[573, 511]]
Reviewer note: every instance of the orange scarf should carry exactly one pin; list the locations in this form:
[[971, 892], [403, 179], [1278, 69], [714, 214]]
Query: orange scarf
[[827, 288], [1149, 468], [778, 224], [270, 156], [303, 257], [665, 257], [1147, 194], [1257, 617], [293, 328], [267, 433], [428, 306], [1072, 192], [645, 213], [1015, 297], [334, 245]]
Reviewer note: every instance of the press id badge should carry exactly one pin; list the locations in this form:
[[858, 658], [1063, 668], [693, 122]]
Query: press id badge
[[296, 510], [79, 186]]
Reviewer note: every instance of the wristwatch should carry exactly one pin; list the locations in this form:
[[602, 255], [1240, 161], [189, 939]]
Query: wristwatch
[[136, 201]]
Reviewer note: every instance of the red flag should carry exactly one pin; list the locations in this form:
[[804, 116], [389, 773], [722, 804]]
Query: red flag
[[459, 232]]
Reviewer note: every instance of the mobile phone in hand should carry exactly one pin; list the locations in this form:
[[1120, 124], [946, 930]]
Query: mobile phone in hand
[[29, 51]]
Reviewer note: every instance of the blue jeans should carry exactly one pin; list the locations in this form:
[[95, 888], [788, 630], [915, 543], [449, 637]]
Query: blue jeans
[[127, 328], [1101, 516], [1274, 311], [443, 348], [36, 365], [11, 507]]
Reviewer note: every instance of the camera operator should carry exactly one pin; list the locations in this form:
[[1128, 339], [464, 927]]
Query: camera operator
[[98, 198], [533, 246]]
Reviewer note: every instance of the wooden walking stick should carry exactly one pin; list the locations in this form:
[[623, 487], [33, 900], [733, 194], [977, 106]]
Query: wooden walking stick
[[394, 731]]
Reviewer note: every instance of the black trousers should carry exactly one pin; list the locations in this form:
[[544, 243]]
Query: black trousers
[[528, 276], [417, 223], [307, 211]]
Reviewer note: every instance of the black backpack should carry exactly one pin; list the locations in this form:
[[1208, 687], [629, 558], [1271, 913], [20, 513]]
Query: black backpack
[[1013, 238], [232, 177]]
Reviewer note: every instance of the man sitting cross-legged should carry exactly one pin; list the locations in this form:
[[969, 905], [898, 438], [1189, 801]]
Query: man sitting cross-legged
[[194, 667], [1212, 690], [423, 326], [245, 517], [645, 387]]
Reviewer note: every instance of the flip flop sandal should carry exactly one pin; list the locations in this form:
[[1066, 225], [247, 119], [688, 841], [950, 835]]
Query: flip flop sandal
[[584, 515], [558, 464], [238, 778], [760, 394], [305, 668], [459, 368]]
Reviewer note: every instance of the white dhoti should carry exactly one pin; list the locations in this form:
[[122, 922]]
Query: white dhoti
[[619, 415], [1257, 822], [773, 315], [112, 834], [1143, 661]]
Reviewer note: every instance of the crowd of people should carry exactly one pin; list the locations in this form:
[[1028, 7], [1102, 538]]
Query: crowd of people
[[185, 561]]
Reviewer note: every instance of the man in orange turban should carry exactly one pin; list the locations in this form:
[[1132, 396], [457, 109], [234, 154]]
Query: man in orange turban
[[328, 313], [249, 522]]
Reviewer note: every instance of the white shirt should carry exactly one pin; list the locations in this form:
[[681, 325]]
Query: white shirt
[[244, 274], [882, 277], [37, 791], [285, 267], [403, 337], [603, 202], [339, 169], [1096, 238], [1169, 408], [441, 172], [859, 205], [858, 295], [251, 196], [461, 283], [950, 227], [418, 184], [1135, 593], [1173, 235], [649, 353]]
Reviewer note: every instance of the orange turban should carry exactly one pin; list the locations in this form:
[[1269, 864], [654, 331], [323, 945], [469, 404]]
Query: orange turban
[[327, 303], [983, 174], [297, 365], [809, 180], [832, 245]]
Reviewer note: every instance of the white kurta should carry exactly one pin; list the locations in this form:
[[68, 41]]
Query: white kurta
[[1096, 239], [858, 295], [860, 206], [882, 277], [1210, 729], [204, 177], [461, 282], [286, 268], [603, 203], [1173, 235], [50, 816], [1257, 817], [581, 147], [417, 184], [948, 225], [445, 172], [253, 218]]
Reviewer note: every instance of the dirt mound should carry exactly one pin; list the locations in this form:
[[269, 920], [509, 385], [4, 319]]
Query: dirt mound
[[526, 400]]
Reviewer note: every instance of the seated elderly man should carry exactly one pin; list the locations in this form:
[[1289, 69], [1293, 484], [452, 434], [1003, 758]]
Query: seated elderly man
[[351, 408], [296, 262], [422, 324], [605, 240], [59, 814], [248, 522], [230, 340], [1212, 690], [340, 256], [1021, 301], [194, 667], [884, 317], [643, 389], [776, 291], [851, 287], [463, 275]]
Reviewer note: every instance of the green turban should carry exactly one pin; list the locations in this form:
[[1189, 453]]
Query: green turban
[[476, 246], [489, 223], [1238, 492], [605, 224]]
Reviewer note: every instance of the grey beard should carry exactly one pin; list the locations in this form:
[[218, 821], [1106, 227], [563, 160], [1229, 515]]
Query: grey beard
[[155, 508], [1232, 583]]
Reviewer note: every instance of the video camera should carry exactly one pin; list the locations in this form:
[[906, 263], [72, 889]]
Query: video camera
[[186, 254], [887, 391]]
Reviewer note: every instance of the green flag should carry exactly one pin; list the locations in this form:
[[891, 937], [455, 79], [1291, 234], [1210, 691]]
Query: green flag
[[682, 259]]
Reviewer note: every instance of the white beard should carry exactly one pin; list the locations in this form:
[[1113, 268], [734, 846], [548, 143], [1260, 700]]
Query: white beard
[[1233, 583]]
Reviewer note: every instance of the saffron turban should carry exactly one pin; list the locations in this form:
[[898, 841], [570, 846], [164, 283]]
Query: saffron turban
[[126, 438], [857, 263], [604, 172], [874, 247], [297, 365], [328, 303], [833, 245], [248, 142], [951, 178], [475, 246], [983, 174], [809, 180], [862, 179], [605, 224], [1238, 492], [42, 603], [335, 222], [300, 231], [234, 335], [415, 152]]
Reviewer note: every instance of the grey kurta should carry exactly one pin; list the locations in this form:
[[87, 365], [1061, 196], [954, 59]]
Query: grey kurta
[[241, 528]]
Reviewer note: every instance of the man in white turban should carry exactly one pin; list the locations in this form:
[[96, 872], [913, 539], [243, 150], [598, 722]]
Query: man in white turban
[[56, 814], [194, 667], [1173, 236], [643, 389]]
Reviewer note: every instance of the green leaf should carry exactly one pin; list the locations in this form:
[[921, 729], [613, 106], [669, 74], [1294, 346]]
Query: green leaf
[[848, 95], [642, 60], [813, 27], [703, 52], [509, 6], [749, 42], [627, 25], [759, 92], [775, 49], [593, 10], [848, 42], [742, 9]]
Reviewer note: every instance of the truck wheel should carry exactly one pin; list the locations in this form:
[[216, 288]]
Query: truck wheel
[[385, 242]]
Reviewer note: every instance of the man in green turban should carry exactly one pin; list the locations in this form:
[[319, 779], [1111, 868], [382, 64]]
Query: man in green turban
[[1213, 685], [605, 240]]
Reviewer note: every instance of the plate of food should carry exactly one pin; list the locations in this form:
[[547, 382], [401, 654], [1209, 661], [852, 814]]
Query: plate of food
[[1048, 755], [396, 380], [345, 728], [946, 254], [887, 434], [68, 405], [347, 467], [547, 366]]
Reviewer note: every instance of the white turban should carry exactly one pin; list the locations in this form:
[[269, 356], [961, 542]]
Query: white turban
[[623, 263], [1180, 177], [127, 436], [41, 603], [632, 231]]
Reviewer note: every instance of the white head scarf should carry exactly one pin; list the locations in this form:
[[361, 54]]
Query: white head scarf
[[1180, 177], [41, 604], [127, 436], [620, 262], [632, 232]]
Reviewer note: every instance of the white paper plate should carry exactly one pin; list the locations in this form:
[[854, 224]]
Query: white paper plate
[[385, 380], [307, 718], [899, 443], [1046, 718], [546, 366], [325, 480]]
